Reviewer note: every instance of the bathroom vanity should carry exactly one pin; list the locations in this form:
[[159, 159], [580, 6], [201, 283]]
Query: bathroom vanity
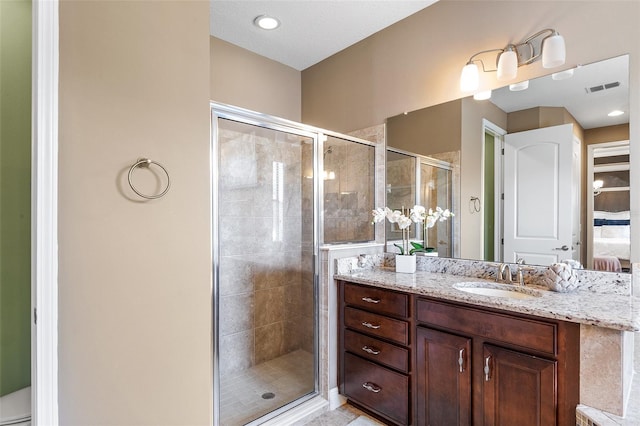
[[414, 349]]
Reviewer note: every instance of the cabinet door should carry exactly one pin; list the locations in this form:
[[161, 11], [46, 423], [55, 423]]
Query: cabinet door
[[518, 389], [443, 374]]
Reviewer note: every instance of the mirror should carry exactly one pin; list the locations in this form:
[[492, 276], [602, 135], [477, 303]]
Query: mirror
[[576, 100]]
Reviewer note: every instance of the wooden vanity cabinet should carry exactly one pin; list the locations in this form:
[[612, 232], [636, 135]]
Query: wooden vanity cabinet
[[413, 360], [375, 352], [478, 367]]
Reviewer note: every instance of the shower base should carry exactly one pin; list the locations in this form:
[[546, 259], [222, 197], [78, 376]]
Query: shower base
[[250, 394]]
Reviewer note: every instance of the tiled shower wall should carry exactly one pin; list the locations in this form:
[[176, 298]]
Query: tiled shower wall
[[349, 198], [265, 298]]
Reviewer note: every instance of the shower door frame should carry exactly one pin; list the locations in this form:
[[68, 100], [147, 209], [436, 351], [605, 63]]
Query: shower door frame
[[241, 115]]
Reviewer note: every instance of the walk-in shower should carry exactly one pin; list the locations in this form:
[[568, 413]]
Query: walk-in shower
[[280, 190], [264, 255]]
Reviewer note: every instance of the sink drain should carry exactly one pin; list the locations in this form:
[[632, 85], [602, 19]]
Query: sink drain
[[268, 395]]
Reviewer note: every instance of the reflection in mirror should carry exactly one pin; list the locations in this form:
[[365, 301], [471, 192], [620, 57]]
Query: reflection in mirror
[[473, 135], [434, 189], [608, 206]]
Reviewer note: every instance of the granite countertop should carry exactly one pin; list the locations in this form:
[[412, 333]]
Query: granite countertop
[[615, 311]]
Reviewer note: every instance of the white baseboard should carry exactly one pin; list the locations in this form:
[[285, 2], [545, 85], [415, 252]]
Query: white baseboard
[[335, 399]]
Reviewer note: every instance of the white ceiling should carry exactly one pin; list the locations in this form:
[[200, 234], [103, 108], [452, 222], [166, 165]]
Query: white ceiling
[[310, 30], [313, 30]]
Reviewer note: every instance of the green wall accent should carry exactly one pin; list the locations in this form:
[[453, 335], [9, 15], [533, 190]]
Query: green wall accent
[[15, 195], [489, 197]]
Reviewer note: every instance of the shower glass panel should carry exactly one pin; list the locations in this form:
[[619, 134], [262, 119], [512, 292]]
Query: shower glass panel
[[400, 188], [435, 190], [349, 197], [265, 288]]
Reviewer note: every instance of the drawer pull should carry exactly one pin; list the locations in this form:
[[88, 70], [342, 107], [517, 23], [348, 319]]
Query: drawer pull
[[487, 369], [370, 300], [461, 360], [371, 387], [369, 325], [369, 350]]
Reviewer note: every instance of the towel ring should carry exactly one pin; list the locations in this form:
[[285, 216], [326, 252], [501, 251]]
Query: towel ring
[[145, 162]]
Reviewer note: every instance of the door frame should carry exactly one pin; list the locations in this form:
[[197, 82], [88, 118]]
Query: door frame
[[590, 201], [44, 213], [498, 207]]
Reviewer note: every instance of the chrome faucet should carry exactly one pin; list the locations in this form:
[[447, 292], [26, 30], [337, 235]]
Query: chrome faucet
[[520, 272], [504, 267]]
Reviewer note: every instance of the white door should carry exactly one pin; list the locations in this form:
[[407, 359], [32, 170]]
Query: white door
[[538, 195]]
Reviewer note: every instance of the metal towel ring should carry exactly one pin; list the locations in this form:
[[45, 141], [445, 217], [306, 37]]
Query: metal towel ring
[[145, 162]]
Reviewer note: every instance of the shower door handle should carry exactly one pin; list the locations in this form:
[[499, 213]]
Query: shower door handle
[[369, 325]]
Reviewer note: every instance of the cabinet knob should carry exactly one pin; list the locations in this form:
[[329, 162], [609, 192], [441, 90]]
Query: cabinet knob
[[371, 387], [369, 325], [370, 300], [370, 350]]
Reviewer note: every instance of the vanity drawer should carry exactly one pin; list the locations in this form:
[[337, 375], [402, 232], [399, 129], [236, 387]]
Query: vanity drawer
[[526, 333], [377, 325], [377, 300], [378, 388], [376, 350]]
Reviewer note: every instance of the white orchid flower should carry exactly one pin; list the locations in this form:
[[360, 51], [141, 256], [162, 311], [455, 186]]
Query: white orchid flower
[[403, 222], [418, 213], [379, 214], [394, 216], [431, 220]]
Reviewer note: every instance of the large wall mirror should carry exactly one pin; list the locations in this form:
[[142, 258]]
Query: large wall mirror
[[543, 165]]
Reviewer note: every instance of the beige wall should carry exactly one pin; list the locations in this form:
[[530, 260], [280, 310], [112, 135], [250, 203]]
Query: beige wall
[[427, 131], [135, 277], [417, 62], [242, 78]]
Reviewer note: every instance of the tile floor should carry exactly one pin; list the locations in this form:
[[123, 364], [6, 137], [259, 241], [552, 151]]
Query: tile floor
[[287, 378], [341, 416]]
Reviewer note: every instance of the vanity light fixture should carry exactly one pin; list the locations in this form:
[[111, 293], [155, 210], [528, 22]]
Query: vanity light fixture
[[563, 75], [517, 87], [482, 96], [266, 22], [547, 45]]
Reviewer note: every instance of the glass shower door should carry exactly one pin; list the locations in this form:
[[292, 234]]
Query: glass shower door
[[264, 290]]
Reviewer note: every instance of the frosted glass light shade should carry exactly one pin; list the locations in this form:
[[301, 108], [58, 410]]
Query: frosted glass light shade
[[469, 79], [553, 51], [482, 96], [507, 65], [517, 87]]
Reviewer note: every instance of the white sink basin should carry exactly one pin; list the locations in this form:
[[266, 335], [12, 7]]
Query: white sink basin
[[497, 290]]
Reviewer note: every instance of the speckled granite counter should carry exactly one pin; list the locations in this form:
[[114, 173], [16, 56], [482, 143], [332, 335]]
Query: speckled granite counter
[[614, 311]]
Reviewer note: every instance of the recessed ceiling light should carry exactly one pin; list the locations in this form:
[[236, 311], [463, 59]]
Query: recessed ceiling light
[[615, 113], [266, 22]]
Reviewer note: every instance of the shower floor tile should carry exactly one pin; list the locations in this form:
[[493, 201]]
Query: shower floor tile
[[241, 395]]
